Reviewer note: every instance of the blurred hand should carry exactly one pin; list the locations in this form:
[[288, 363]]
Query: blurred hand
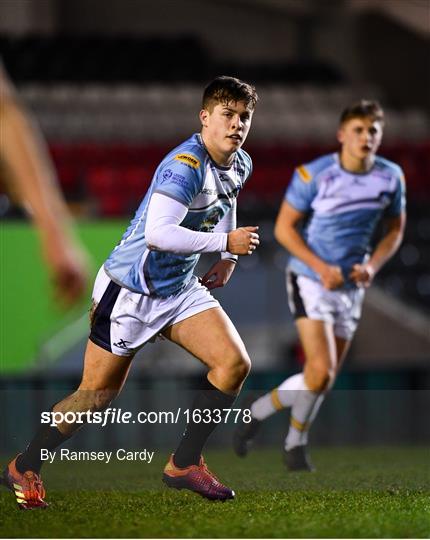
[[362, 275], [69, 269], [243, 241], [219, 274], [331, 277]]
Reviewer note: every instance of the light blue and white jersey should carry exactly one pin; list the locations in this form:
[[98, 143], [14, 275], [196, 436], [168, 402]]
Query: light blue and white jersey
[[190, 176], [343, 209]]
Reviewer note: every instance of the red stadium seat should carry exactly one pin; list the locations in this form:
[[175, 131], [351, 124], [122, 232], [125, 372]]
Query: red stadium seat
[[112, 205], [106, 171], [102, 180], [136, 181]]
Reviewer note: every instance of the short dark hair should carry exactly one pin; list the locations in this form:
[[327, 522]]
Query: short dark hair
[[364, 108], [224, 89]]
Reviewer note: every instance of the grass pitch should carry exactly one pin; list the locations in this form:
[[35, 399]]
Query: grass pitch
[[371, 492]]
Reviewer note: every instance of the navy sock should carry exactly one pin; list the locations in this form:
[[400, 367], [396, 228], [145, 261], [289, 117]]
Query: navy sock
[[48, 437], [197, 433]]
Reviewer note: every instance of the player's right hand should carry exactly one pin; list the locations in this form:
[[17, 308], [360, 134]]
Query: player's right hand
[[243, 241], [331, 277]]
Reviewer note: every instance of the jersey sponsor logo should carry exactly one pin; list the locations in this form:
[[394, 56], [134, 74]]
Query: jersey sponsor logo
[[304, 174], [230, 195], [189, 160], [179, 180], [174, 178], [208, 191]]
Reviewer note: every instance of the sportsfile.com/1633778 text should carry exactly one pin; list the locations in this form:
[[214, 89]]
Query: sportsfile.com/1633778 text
[[118, 416]]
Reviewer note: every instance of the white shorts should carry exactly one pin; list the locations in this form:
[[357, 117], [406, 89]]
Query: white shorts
[[341, 308], [122, 321]]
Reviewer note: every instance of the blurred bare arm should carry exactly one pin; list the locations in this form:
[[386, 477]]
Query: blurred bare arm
[[363, 274], [288, 236], [34, 181]]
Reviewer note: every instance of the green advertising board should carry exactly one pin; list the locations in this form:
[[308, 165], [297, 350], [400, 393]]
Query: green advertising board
[[34, 329]]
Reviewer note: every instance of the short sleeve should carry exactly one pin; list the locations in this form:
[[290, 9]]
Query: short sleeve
[[301, 190], [180, 178], [244, 166], [398, 202]]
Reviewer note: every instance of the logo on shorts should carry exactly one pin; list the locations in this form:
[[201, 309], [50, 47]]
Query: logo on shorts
[[121, 344]]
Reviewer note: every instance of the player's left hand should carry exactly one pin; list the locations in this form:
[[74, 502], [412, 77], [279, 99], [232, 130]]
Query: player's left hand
[[362, 274], [219, 274]]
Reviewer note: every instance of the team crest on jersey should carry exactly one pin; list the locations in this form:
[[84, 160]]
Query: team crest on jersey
[[211, 220], [304, 174], [189, 160]]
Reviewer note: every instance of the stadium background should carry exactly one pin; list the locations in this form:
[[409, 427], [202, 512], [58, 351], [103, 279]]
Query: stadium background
[[116, 84]]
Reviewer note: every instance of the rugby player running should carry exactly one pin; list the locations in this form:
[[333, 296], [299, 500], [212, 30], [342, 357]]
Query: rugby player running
[[341, 197], [147, 287]]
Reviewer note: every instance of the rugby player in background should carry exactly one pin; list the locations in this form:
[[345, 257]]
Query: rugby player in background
[[341, 197], [147, 287]]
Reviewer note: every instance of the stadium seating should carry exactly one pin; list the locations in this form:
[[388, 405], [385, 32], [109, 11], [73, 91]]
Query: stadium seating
[[91, 169], [60, 58], [160, 113]]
